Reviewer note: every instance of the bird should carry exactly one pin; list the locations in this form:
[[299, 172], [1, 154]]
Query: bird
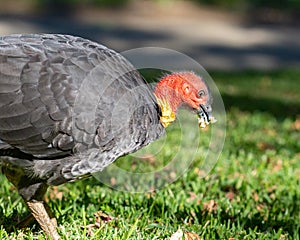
[[69, 107]]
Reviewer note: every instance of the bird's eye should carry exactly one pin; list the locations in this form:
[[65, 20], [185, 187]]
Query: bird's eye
[[201, 93]]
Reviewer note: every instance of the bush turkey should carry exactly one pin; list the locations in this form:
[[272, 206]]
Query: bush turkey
[[69, 107]]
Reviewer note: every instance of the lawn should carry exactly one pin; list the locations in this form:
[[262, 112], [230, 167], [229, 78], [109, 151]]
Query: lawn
[[251, 193]]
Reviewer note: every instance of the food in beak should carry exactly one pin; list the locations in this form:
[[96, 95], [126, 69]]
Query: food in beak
[[204, 118]]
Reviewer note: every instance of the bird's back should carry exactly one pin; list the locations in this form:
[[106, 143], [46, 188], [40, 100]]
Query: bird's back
[[64, 98]]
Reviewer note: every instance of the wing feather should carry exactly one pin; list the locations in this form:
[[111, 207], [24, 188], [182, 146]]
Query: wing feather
[[58, 94]]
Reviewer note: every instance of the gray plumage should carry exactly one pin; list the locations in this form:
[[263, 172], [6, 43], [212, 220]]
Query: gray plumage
[[68, 107]]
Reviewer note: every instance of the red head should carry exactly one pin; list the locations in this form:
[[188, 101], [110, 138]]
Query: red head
[[186, 88]]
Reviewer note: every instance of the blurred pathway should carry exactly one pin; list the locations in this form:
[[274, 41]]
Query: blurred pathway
[[216, 40]]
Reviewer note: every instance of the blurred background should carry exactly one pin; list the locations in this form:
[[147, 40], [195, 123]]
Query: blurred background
[[220, 35], [251, 48]]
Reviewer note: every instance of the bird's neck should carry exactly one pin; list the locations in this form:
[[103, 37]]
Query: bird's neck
[[168, 98]]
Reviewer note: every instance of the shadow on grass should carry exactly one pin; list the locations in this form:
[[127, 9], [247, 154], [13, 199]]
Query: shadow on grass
[[11, 223], [258, 223], [97, 31], [278, 109], [266, 55]]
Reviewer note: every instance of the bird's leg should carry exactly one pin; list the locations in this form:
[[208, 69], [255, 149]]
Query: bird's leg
[[25, 222], [30, 218], [32, 192], [50, 214], [41, 215]]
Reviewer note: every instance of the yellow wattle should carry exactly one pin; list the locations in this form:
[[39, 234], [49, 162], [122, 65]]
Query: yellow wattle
[[167, 115]]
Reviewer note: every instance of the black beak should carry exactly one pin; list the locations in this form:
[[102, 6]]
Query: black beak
[[205, 116]]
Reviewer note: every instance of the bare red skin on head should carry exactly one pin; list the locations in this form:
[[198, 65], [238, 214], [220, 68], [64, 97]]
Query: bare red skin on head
[[181, 87]]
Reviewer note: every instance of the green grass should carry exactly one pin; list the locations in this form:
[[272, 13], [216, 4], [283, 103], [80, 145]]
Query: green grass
[[252, 193]]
